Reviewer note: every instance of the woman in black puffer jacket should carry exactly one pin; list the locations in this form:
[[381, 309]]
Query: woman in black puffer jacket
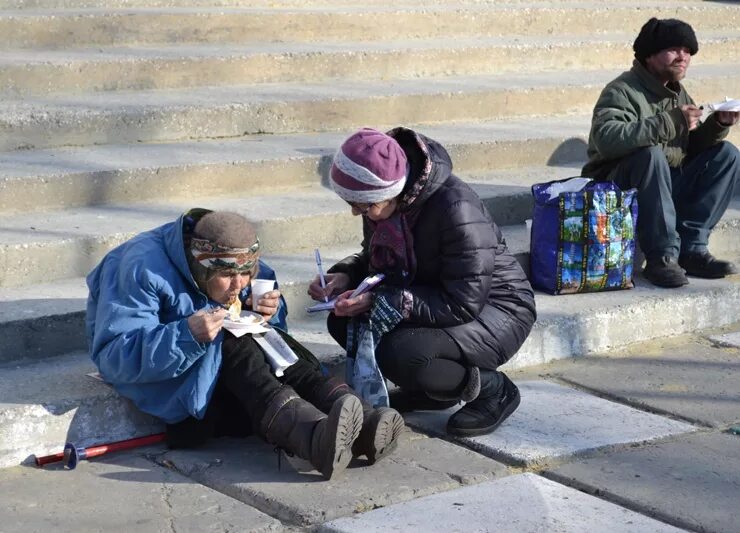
[[464, 303]]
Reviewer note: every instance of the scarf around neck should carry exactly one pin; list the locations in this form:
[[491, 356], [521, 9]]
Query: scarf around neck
[[392, 249], [392, 242]]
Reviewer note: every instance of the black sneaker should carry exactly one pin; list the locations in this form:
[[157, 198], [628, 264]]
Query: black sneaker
[[664, 272], [405, 401], [705, 265], [485, 414]]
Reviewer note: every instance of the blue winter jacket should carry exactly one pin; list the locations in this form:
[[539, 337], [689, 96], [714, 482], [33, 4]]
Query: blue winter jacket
[[141, 295]]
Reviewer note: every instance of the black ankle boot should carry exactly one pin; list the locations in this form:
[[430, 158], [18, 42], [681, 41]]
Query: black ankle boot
[[498, 398]]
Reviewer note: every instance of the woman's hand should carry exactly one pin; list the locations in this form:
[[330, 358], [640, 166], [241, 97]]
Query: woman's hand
[[205, 324], [268, 305], [346, 306], [335, 283]]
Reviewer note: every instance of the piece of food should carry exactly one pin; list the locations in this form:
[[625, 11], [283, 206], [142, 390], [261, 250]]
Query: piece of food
[[235, 310], [251, 319]]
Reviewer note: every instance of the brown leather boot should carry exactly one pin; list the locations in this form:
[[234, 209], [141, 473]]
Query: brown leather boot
[[325, 441], [381, 426]]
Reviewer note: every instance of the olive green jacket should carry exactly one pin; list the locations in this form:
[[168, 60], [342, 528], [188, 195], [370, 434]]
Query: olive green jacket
[[636, 110]]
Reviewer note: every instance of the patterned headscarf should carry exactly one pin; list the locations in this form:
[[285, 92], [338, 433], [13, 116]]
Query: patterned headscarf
[[215, 256]]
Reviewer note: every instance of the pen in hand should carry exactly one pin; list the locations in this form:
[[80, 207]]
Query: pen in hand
[[321, 273]]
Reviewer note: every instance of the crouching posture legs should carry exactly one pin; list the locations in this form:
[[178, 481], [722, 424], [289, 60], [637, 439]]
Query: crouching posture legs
[[433, 373]]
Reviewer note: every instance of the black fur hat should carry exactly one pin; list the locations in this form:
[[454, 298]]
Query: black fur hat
[[657, 35]]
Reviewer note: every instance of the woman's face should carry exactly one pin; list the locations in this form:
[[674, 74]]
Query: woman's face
[[224, 287], [376, 211]]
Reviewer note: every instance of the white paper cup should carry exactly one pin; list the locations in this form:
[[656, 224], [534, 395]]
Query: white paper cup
[[259, 288], [528, 223]]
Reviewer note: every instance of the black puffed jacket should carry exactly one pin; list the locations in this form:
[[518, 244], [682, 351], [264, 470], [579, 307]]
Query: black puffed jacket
[[466, 280]]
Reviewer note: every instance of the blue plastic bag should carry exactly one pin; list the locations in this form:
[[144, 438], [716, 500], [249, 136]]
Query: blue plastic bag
[[583, 240]]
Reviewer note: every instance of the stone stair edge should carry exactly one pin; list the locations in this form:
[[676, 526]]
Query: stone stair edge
[[239, 112], [44, 55], [351, 89], [73, 177], [34, 180], [33, 318], [294, 270], [702, 15], [35, 73], [303, 6], [294, 208], [21, 5]]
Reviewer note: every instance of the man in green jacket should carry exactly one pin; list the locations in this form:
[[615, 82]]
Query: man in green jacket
[[648, 133]]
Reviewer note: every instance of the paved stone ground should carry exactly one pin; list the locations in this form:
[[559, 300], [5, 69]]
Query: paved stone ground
[[554, 423], [524, 502], [638, 441]]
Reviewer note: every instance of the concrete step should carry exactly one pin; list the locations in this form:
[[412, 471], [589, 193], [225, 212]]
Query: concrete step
[[77, 239], [41, 71], [69, 243], [24, 5], [46, 318], [67, 26], [46, 403], [234, 111], [33, 180]]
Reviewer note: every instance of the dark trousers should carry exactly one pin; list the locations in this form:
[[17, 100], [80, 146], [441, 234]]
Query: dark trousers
[[678, 207], [414, 358], [245, 386]]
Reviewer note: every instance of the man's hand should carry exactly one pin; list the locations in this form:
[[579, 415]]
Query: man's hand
[[268, 305], [692, 114], [205, 324], [335, 283], [346, 306], [728, 118]]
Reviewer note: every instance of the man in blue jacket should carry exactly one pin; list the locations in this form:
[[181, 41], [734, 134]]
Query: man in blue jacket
[[155, 315]]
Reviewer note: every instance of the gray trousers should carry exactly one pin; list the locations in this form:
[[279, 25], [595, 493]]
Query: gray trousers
[[678, 207]]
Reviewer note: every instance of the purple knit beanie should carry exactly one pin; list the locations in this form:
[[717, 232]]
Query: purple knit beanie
[[369, 167]]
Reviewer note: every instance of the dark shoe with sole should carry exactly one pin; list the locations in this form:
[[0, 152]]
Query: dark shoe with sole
[[486, 413], [664, 272], [300, 428], [405, 401], [705, 265], [381, 426]]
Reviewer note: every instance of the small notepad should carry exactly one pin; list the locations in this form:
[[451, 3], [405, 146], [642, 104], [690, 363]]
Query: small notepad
[[367, 285]]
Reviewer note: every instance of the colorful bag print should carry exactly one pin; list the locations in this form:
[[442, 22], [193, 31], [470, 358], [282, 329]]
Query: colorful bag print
[[583, 236]]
